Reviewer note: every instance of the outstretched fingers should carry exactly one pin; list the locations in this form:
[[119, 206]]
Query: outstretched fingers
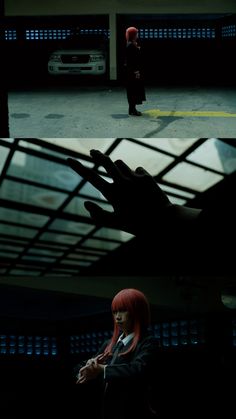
[[124, 169], [90, 175], [105, 161]]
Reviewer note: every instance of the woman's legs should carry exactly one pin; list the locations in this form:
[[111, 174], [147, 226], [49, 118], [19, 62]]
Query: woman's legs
[[132, 98], [132, 109]]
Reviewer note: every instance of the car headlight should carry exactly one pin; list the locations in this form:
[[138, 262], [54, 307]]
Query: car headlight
[[56, 58], [94, 58]]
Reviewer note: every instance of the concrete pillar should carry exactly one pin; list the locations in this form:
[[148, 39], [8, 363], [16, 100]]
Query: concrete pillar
[[113, 45]]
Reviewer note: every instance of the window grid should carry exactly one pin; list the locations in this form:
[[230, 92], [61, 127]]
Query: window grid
[[45, 346], [173, 334], [180, 333], [88, 343], [177, 33], [10, 34], [206, 32], [47, 34], [94, 31], [228, 31], [62, 34]]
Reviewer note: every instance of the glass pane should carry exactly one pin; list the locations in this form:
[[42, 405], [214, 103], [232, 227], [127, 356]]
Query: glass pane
[[21, 272], [177, 201], [15, 249], [39, 258], [99, 244], [135, 155], [8, 140], [173, 145], [43, 171], [27, 194], [3, 155], [22, 217], [176, 191], [84, 257], [8, 255], [192, 177], [14, 241], [76, 206], [63, 270], [112, 234], [74, 262], [61, 238], [42, 149], [98, 252], [215, 154], [82, 145], [17, 231], [80, 228], [44, 252], [52, 246], [91, 191]]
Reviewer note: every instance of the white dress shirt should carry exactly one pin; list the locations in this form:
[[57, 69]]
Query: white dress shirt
[[125, 340]]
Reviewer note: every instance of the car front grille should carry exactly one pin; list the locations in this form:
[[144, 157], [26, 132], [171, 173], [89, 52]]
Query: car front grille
[[74, 69], [75, 59]]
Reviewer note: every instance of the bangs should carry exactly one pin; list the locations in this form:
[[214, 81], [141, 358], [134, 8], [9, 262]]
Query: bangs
[[120, 303]]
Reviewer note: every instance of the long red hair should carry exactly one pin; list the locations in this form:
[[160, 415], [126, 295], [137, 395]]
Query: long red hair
[[137, 305], [130, 33]]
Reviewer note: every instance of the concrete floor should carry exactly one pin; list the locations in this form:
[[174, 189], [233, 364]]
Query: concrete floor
[[101, 111]]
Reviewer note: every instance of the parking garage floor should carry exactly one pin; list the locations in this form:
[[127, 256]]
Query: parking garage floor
[[101, 111]]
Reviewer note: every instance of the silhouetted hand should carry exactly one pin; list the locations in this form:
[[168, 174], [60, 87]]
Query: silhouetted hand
[[139, 203]]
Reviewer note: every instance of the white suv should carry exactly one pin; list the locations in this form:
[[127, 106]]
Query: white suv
[[77, 61]]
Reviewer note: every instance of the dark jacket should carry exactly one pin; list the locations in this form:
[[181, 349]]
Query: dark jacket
[[127, 388], [134, 86]]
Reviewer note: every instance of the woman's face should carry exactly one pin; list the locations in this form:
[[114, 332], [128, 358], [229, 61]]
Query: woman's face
[[122, 318]]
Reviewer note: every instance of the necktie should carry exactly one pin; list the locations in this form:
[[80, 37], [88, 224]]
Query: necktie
[[116, 351]]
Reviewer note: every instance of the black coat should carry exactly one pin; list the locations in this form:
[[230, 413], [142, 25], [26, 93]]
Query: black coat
[[134, 86], [126, 391]]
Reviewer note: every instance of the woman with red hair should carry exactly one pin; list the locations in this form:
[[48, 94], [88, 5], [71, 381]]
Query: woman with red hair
[[134, 81], [125, 365]]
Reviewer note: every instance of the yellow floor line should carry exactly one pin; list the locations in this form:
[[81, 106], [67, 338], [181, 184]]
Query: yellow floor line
[[206, 114]]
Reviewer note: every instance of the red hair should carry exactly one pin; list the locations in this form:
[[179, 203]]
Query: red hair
[[130, 33], [137, 305]]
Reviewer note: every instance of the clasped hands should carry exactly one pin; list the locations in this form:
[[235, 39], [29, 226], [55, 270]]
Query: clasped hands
[[90, 371]]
